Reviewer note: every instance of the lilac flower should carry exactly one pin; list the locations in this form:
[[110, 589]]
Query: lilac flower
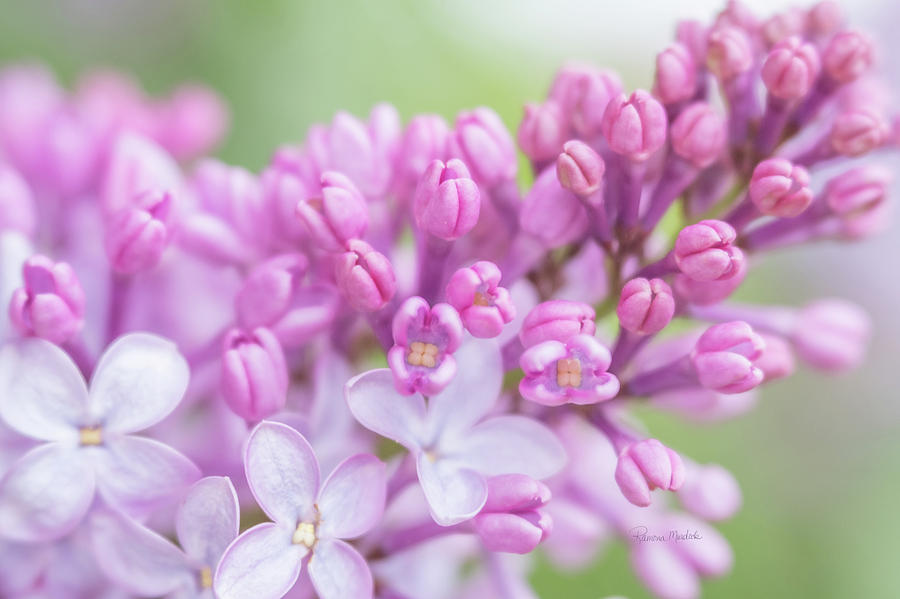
[[51, 303], [482, 304], [454, 445], [308, 520], [150, 565], [570, 372], [88, 446]]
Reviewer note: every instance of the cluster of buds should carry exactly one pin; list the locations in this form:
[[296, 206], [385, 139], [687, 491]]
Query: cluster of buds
[[514, 328]]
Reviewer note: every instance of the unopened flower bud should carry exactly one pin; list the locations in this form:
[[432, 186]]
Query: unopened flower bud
[[583, 93], [777, 359], [511, 520], [724, 357], [51, 303], [848, 55], [557, 320], [832, 334], [194, 121], [728, 52], [647, 465], [254, 374], [824, 17], [542, 131], [338, 215], [635, 126], [447, 202], [424, 141], [579, 168], [711, 492], [705, 293], [482, 304], [705, 251], [698, 134], [17, 210], [267, 292], [365, 277], [676, 74], [645, 307], [791, 68], [857, 193], [137, 237], [783, 25], [856, 132], [482, 141], [779, 188]]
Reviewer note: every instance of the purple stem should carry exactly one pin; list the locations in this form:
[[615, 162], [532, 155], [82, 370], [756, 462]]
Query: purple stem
[[675, 375], [821, 92], [507, 200], [661, 268], [710, 186], [617, 435], [434, 253], [627, 345], [120, 288], [819, 151], [743, 106], [80, 354], [511, 352], [419, 533], [524, 253], [772, 126], [677, 174], [776, 320], [632, 186], [742, 214]]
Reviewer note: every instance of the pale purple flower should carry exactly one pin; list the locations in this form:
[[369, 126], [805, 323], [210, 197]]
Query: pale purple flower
[[89, 448], [309, 519]]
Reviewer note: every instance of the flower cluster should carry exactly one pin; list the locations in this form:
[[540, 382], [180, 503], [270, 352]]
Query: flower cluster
[[228, 322]]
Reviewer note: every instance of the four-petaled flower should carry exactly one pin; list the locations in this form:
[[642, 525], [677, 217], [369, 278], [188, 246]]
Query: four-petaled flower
[[570, 372]]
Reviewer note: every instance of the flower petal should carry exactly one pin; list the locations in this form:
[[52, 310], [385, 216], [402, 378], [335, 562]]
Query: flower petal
[[352, 498], [46, 494], [283, 472], [377, 405], [21, 566], [138, 475], [135, 557], [50, 397], [262, 563], [338, 571], [472, 392], [138, 381], [510, 445], [454, 492], [208, 519]]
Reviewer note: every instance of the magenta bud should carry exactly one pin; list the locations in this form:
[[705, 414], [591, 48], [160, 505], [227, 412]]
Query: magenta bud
[[551, 213], [791, 68], [447, 202], [424, 141], [17, 209], [137, 237], [856, 132], [515, 493], [824, 17], [705, 293], [645, 307], [832, 334], [365, 277], [635, 126], [542, 131], [779, 188], [724, 358], [337, 215], [647, 465], [698, 134], [557, 320], [692, 35], [51, 303], [777, 359], [676, 74], [711, 492], [254, 374], [194, 121], [511, 520], [583, 92], [704, 251], [482, 304], [854, 195], [848, 55], [268, 290], [728, 52], [579, 168], [783, 25], [482, 141]]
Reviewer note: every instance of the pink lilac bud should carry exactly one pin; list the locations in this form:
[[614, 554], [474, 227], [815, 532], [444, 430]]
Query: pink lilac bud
[[645, 307], [29, 96], [482, 304], [268, 290], [511, 520], [698, 134], [482, 141], [282, 189], [676, 74], [51, 303], [571, 372], [647, 465], [779, 188], [335, 217], [692, 35], [635, 126], [832, 335], [791, 68], [579, 168], [724, 357], [447, 202], [17, 209], [542, 131], [737, 14], [711, 492], [425, 338], [705, 251], [728, 52], [194, 121], [848, 55], [857, 193], [254, 374], [365, 277], [557, 320], [69, 154], [137, 237], [704, 293], [552, 214], [777, 359], [824, 17], [783, 25], [583, 93], [858, 131], [424, 141]]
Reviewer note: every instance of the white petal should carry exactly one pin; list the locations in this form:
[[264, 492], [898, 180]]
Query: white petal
[[454, 492], [262, 563], [352, 498], [138, 475], [338, 571], [138, 381], [208, 519], [135, 557], [472, 392], [46, 494], [42, 393], [376, 404]]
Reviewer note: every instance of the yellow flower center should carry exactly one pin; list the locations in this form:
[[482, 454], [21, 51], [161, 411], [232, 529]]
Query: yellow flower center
[[568, 372], [206, 580], [422, 354], [305, 534], [481, 299], [90, 435]]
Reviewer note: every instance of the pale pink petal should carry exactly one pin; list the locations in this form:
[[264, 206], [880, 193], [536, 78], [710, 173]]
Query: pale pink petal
[[262, 563], [282, 472], [338, 571], [46, 395], [138, 381], [208, 520], [455, 493], [473, 391], [46, 494], [138, 475], [135, 557], [377, 405], [352, 498]]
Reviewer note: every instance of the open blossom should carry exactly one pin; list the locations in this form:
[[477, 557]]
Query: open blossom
[[482, 304], [87, 444], [570, 372]]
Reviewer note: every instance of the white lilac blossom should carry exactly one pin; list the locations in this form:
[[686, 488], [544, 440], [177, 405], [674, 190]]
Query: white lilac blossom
[[237, 320]]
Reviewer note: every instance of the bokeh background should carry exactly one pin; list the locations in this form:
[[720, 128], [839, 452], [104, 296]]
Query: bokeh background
[[818, 459]]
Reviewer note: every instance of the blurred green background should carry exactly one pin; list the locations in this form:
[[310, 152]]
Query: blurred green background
[[818, 460]]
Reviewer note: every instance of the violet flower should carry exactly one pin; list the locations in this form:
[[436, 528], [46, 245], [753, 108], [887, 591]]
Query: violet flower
[[570, 372]]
